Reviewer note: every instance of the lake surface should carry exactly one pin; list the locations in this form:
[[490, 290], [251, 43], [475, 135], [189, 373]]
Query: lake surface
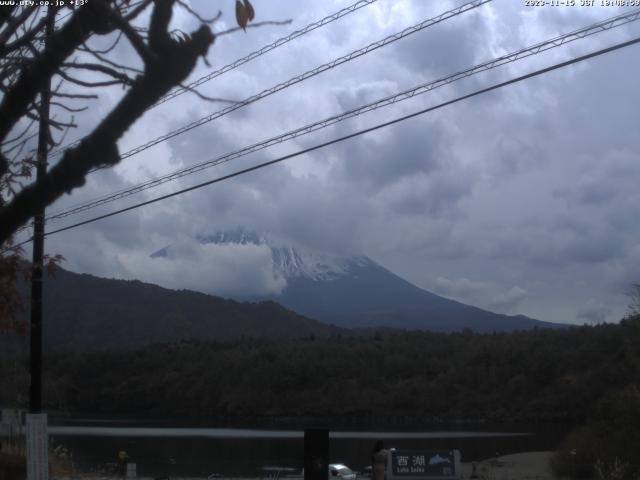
[[245, 452]]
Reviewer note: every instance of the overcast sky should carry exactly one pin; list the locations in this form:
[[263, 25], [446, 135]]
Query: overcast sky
[[524, 200]]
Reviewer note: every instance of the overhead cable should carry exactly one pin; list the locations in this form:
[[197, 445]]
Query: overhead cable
[[352, 135], [267, 48], [306, 75], [253, 55], [397, 97]]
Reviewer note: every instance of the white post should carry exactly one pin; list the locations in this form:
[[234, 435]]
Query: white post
[[37, 447], [131, 470]]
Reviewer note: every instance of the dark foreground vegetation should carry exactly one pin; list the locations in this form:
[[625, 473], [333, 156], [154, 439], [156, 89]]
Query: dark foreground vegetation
[[540, 375], [585, 377]]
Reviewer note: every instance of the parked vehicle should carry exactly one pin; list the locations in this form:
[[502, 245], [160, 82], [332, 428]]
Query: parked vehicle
[[339, 471]]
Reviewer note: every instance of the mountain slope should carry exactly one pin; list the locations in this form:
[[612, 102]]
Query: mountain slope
[[355, 291], [373, 296], [86, 312]]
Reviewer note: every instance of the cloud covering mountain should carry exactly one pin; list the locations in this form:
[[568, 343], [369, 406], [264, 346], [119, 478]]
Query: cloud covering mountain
[[349, 291]]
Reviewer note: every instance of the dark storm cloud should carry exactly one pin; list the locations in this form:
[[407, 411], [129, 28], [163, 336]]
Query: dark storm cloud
[[432, 195], [304, 210], [607, 180], [408, 149], [448, 47]]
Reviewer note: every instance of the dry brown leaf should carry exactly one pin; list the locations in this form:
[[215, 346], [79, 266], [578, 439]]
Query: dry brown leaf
[[250, 11], [242, 16]]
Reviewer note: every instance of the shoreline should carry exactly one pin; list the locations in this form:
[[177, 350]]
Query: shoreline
[[523, 466]]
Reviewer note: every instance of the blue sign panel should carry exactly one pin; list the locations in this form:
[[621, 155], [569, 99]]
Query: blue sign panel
[[406, 463]]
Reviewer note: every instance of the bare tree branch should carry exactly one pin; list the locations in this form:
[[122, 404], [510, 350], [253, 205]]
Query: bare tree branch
[[58, 125], [87, 20], [205, 97], [174, 61], [20, 135], [137, 10], [109, 49], [68, 108], [137, 42], [14, 24], [24, 39], [75, 95], [20, 145], [159, 39], [84, 83], [103, 59], [26, 64], [94, 67], [253, 25], [5, 13], [57, 143]]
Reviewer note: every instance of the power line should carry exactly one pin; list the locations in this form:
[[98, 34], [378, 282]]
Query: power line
[[353, 135], [253, 55], [309, 74], [267, 48], [306, 75], [265, 93], [292, 81], [607, 24]]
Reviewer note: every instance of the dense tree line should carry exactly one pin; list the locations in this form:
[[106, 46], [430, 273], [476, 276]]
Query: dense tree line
[[539, 375], [585, 376]]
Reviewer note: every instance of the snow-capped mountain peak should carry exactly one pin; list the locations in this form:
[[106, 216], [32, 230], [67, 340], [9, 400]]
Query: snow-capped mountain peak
[[292, 261], [351, 291]]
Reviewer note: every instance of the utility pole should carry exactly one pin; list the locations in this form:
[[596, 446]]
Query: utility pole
[[37, 444], [35, 389]]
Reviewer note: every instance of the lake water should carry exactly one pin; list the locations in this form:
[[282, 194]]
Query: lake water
[[245, 452]]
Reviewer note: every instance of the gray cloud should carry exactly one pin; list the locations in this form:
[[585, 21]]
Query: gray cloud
[[222, 270], [447, 47], [375, 162], [531, 187], [510, 300], [593, 312], [459, 287]]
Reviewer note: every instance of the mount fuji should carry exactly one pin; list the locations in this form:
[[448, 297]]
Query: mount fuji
[[357, 292]]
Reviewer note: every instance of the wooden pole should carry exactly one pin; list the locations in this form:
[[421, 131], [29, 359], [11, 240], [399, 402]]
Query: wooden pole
[[35, 355]]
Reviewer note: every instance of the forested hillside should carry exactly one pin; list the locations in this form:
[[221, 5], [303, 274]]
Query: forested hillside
[[85, 312], [540, 375]]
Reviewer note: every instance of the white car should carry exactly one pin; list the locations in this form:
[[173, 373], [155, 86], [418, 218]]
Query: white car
[[339, 471]]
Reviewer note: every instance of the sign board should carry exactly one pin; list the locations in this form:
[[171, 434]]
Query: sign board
[[37, 447], [424, 465]]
